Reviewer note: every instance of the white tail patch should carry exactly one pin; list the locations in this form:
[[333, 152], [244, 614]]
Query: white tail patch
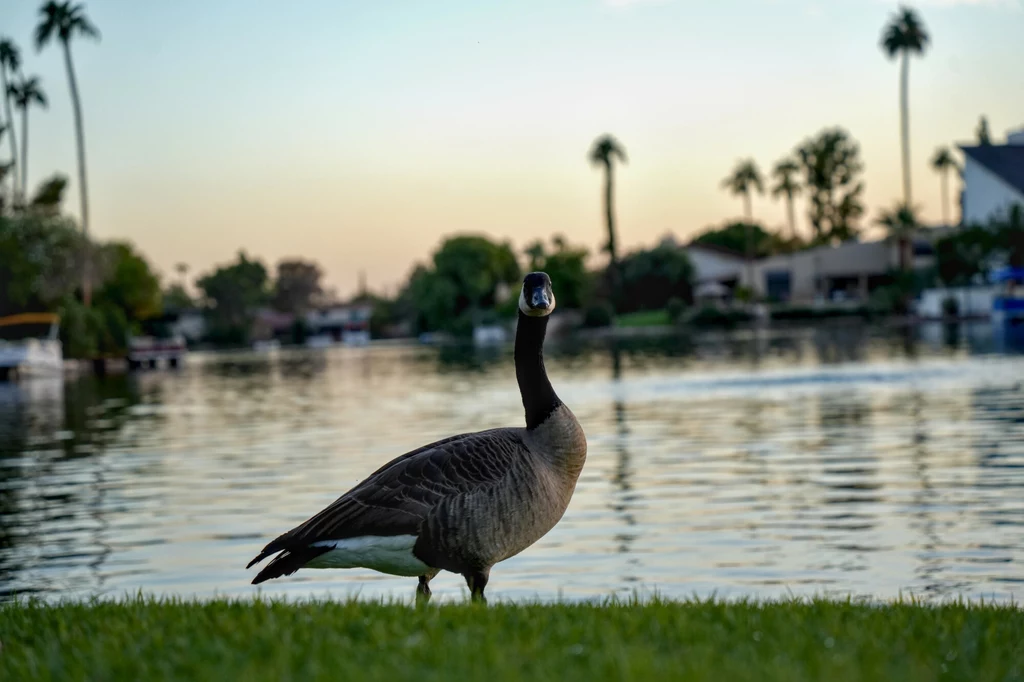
[[386, 554]]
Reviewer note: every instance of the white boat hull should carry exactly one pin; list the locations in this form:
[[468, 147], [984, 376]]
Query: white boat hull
[[32, 358]]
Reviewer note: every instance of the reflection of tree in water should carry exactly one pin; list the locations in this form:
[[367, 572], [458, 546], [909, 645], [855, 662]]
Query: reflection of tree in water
[[15, 426], [998, 451], [850, 466], [930, 564], [839, 342], [467, 357], [624, 501], [302, 365], [49, 490]]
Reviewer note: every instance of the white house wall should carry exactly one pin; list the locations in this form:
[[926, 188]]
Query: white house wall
[[852, 259], [985, 193]]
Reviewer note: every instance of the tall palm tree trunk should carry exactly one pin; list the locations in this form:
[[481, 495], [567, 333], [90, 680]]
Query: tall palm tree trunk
[[905, 125], [14, 137], [613, 249], [792, 216], [24, 149], [945, 196], [83, 193], [748, 232]]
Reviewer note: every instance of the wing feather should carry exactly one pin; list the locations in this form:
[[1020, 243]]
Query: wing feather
[[396, 498]]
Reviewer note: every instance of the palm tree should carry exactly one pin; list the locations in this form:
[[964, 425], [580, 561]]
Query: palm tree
[[10, 60], [63, 21], [942, 162], [787, 186], [903, 36], [901, 223], [25, 94], [605, 150], [744, 178]]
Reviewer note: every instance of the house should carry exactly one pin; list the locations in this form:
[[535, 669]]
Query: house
[[270, 324], [341, 321], [717, 270], [993, 178], [849, 271]]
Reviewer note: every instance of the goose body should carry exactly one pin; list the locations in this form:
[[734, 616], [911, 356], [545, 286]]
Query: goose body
[[461, 504]]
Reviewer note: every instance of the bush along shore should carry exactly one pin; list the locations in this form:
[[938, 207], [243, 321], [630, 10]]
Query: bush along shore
[[149, 639]]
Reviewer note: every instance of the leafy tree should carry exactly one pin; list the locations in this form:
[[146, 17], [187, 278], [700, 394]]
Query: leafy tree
[[10, 64], [965, 254], [535, 255], [64, 21], [744, 179], [832, 168], [296, 286], [567, 268], [25, 94], [232, 293], [604, 152], [734, 237], [903, 36], [176, 298], [653, 277], [50, 196], [127, 282], [463, 286], [943, 162], [40, 262], [975, 250], [984, 139], [786, 185], [901, 222]]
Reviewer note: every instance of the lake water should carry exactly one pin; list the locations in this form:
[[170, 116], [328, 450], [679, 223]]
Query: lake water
[[842, 460]]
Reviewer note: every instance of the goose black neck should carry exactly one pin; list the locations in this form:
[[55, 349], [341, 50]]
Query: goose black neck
[[539, 398]]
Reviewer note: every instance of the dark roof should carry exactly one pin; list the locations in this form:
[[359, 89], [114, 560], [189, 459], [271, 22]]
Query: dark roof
[[1005, 160]]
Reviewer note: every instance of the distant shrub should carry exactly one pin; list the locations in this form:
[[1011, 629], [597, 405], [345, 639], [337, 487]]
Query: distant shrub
[[676, 308], [817, 313], [598, 314], [709, 316]]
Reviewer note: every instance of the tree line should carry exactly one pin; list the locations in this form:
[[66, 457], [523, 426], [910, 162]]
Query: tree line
[[60, 23]]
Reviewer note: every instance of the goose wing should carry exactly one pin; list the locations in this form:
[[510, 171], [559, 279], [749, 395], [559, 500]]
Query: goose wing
[[396, 498]]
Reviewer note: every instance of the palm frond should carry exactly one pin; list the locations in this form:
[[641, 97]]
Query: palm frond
[[9, 54], [605, 150]]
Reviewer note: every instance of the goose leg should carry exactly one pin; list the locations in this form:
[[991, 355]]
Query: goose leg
[[423, 589], [477, 581]]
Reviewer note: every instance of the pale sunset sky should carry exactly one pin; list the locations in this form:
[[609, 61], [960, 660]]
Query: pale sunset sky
[[358, 132]]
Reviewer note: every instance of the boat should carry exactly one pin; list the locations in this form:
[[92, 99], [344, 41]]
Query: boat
[[149, 351], [1008, 304], [30, 346], [159, 341]]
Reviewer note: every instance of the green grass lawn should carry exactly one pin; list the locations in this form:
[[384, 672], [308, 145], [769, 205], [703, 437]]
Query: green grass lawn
[[262, 640], [643, 318]]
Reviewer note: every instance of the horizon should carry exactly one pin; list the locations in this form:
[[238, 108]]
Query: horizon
[[358, 135]]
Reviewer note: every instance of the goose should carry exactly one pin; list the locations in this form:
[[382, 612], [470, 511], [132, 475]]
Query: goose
[[461, 504]]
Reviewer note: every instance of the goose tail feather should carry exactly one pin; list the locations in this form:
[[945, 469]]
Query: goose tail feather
[[286, 563]]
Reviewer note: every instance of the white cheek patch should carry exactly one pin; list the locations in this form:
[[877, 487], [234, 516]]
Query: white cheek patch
[[522, 303]]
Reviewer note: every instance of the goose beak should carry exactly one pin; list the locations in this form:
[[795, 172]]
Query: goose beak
[[539, 299]]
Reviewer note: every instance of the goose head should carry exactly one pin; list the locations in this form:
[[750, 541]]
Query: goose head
[[537, 299]]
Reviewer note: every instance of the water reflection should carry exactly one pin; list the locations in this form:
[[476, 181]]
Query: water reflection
[[840, 459]]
